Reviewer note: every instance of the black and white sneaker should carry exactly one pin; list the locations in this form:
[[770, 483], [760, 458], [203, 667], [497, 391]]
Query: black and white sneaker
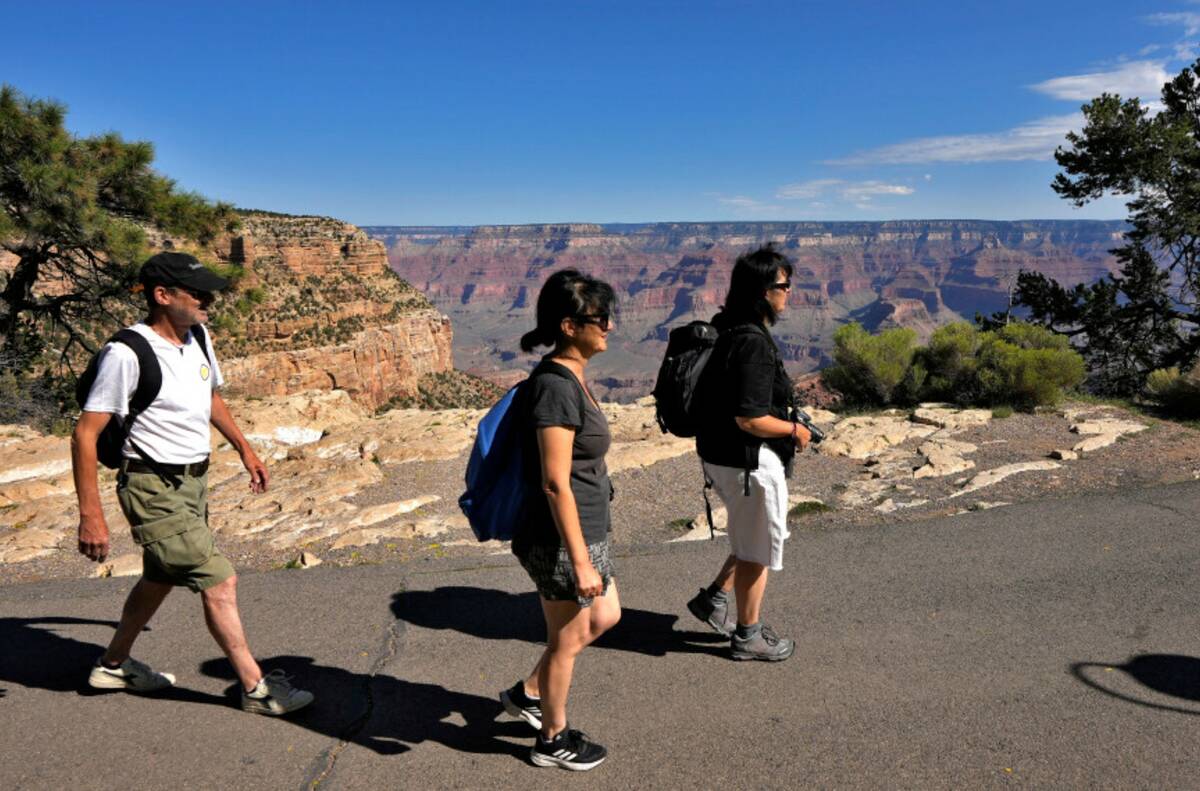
[[520, 705], [570, 749]]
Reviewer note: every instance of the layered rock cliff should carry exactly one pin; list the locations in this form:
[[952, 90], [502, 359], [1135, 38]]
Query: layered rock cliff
[[912, 273], [316, 306]]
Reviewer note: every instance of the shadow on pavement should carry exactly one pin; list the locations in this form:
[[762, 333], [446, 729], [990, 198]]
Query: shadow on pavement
[[1167, 674], [386, 714], [499, 615], [36, 656]]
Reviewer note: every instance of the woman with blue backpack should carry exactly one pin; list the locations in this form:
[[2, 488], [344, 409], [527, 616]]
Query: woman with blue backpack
[[562, 538], [746, 445]]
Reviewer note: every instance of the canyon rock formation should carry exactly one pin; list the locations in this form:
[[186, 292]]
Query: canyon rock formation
[[919, 274], [317, 307]]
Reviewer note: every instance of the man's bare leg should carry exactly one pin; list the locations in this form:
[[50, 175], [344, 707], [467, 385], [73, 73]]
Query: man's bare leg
[[225, 623], [141, 604]]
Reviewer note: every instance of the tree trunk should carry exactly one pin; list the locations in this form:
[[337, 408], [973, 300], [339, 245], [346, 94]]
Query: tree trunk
[[18, 293]]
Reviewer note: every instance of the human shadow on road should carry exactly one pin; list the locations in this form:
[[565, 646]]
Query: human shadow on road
[[1174, 675], [498, 615], [35, 655], [386, 714]]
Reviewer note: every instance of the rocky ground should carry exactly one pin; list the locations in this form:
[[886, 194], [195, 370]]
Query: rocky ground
[[350, 488]]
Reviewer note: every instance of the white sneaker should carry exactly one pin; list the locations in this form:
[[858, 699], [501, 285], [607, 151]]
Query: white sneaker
[[275, 695], [132, 675]]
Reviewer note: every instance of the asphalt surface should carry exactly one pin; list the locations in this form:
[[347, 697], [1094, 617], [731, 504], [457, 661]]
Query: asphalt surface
[[1049, 644]]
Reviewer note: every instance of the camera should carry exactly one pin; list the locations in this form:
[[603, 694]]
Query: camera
[[803, 418]]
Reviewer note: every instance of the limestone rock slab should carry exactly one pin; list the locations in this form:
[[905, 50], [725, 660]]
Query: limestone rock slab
[[950, 417], [129, 565], [866, 436], [944, 457], [994, 476], [378, 513]]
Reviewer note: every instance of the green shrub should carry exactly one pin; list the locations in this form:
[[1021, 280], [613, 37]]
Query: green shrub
[[808, 507], [950, 359], [1175, 392], [1023, 376], [1018, 365], [869, 369], [1032, 336]]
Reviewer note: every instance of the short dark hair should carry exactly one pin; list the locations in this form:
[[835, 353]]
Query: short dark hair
[[565, 294], [753, 274]]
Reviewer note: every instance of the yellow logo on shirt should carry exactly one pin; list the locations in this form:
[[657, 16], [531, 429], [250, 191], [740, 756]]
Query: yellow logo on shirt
[[204, 372]]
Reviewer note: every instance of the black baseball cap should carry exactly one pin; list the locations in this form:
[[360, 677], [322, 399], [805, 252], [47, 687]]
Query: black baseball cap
[[180, 269]]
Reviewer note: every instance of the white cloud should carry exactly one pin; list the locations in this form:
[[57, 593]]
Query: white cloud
[[745, 206], [850, 191], [807, 189], [1030, 141], [866, 190], [1188, 20], [747, 203], [1136, 78]]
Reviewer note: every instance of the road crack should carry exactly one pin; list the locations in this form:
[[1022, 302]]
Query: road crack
[[323, 765]]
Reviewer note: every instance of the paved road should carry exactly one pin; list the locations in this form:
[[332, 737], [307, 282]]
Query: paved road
[[1051, 644]]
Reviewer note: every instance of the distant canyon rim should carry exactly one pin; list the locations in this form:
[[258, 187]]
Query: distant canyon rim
[[918, 274]]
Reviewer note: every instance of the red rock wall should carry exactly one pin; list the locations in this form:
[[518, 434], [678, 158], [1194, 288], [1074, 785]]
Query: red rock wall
[[375, 366], [918, 273]]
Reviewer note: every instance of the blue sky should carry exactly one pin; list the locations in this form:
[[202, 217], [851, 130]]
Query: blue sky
[[466, 113]]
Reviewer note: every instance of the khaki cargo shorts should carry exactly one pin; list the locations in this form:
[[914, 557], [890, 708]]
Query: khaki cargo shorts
[[171, 527]]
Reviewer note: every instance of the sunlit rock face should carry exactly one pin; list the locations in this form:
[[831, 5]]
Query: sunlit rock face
[[317, 307], [919, 274]]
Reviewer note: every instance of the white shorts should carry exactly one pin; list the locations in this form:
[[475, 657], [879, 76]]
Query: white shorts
[[758, 521]]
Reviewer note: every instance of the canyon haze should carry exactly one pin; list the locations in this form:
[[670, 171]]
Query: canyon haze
[[918, 274]]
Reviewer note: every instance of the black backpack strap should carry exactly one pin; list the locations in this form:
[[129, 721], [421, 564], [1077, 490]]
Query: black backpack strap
[[149, 383], [712, 527], [149, 373], [201, 336], [755, 328]]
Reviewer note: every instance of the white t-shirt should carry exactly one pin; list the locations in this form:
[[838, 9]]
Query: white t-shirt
[[174, 428]]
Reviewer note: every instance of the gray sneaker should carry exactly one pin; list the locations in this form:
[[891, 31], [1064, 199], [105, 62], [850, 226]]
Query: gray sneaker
[[275, 695], [766, 645], [713, 613]]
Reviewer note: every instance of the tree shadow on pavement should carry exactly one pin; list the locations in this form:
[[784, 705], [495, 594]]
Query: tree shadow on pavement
[[499, 615], [1174, 675], [386, 714], [35, 655]]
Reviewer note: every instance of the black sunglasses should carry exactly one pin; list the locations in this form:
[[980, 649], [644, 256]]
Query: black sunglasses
[[600, 319], [199, 296], [784, 286]]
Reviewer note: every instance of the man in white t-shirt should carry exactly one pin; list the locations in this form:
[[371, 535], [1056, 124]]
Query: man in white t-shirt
[[162, 485]]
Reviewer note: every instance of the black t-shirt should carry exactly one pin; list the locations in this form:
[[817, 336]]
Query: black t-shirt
[[744, 378], [554, 397]]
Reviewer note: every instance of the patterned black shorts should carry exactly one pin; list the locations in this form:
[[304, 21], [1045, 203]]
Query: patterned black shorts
[[551, 571]]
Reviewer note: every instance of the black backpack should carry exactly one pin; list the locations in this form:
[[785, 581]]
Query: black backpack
[[676, 406], [111, 441]]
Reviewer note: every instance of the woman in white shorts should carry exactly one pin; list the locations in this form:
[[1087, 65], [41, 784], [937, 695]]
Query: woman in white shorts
[[746, 446]]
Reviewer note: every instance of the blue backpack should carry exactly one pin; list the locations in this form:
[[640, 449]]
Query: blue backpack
[[497, 483]]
